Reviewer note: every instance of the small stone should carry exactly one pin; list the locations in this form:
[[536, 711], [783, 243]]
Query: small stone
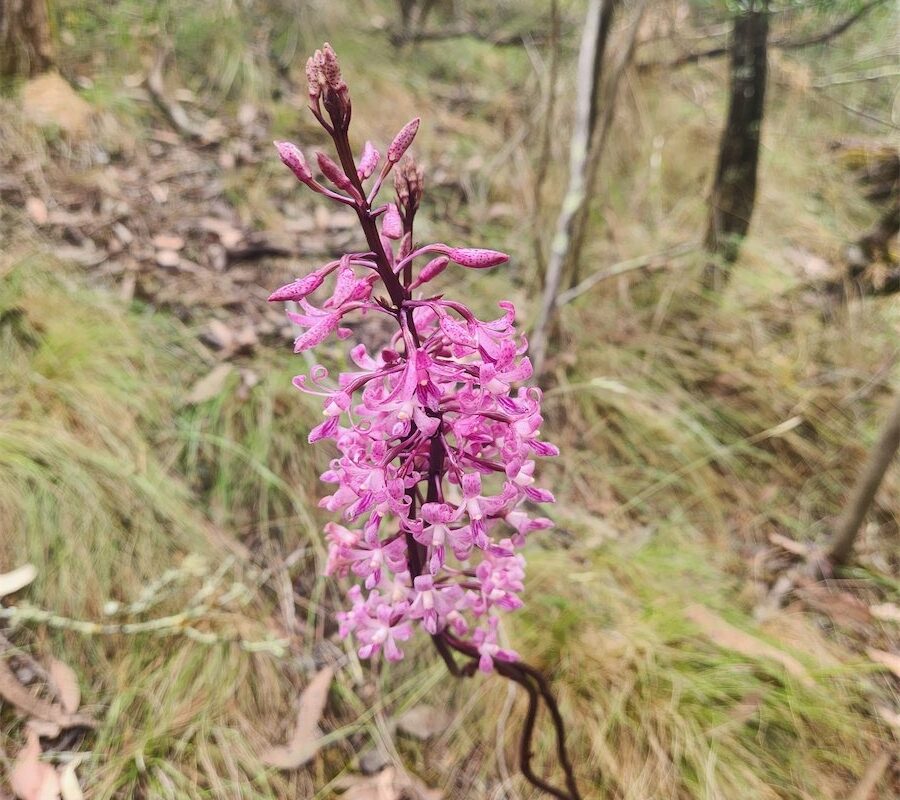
[[373, 760]]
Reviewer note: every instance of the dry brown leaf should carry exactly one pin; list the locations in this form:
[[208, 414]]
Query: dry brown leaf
[[305, 740], [168, 241], [228, 235], [68, 782], [44, 729], [376, 787], [889, 660], [842, 607], [37, 210], [886, 612], [14, 693], [389, 784], [791, 545], [209, 386], [167, 258], [12, 582], [49, 100], [725, 635], [423, 722], [31, 778], [66, 682]]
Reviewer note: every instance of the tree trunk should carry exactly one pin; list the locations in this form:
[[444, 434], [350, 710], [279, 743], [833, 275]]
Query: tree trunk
[[615, 72], [25, 44], [863, 494], [734, 186], [590, 65]]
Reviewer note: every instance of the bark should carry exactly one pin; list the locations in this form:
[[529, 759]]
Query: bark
[[734, 186], [598, 143], [863, 494], [26, 47], [590, 65]]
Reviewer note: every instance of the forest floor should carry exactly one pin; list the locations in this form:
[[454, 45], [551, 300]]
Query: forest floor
[[154, 466]]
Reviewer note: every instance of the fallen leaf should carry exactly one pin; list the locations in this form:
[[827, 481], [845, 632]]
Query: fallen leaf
[[49, 100], [68, 782], [44, 729], [209, 386], [14, 693], [376, 787], [66, 681], [886, 612], [725, 635], [304, 742], [31, 778], [389, 784], [167, 258], [37, 210], [12, 582], [88, 254], [889, 660], [842, 607], [423, 722], [228, 235], [871, 777], [792, 546], [159, 192], [168, 241]]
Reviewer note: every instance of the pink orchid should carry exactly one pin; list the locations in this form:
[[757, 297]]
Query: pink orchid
[[435, 472], [435, 434]]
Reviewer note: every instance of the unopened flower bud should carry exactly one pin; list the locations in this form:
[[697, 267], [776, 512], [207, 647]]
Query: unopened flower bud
[[332, 69], [334, 173], [402, 141], [476, 257], [298, 289], [293, 159], [312, 80], [431, 270]]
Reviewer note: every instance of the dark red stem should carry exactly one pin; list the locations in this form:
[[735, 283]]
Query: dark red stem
[[526, 676]]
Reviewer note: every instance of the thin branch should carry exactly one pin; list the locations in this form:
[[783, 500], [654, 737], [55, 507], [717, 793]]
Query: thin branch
[[863, 494], [779, 44], [466, 31], [830, 33]]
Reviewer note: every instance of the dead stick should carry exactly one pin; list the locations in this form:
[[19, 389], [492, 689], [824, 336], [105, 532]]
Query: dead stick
[[847, 526]]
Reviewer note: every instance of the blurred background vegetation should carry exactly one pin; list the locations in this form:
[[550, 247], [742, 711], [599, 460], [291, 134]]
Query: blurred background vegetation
[[153, 456]]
